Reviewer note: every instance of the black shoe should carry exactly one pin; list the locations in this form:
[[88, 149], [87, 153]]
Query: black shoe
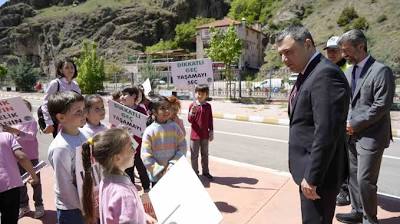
[[343, 198], [208, 175], [351, 218]]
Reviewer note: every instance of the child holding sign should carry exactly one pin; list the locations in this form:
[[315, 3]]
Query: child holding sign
[[94, 107], [119, 199], [163, 141], [10, 181], [69, 110], [200, 116], [26, 136], [130, 98]]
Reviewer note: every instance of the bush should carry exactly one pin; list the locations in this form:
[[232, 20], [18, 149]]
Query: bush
[[348, 14], [24, 75], [360, 23], [3, 72], [381, 18], [91, 69], [162, 46]]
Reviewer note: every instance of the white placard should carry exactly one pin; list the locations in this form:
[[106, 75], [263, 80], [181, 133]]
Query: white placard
[[14, 111], [147, 87], [187, 74], [123, 116], [96, 172], [165, 93], [179, 197]]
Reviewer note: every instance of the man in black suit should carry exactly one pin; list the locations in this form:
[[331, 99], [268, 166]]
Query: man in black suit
[[318, 106]]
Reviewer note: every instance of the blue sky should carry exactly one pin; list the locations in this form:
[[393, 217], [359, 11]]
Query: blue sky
[[2, 2]]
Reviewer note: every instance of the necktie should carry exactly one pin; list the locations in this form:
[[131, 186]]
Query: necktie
[[353, 79], [294, 91]]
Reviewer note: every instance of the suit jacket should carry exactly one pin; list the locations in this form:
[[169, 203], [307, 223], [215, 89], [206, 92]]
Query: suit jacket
[[370, 105], [317, 146]]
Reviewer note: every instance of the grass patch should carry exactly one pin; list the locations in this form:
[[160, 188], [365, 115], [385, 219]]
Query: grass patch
[[83, 8]]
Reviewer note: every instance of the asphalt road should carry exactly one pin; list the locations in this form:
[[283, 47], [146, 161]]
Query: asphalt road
[[266, 146]]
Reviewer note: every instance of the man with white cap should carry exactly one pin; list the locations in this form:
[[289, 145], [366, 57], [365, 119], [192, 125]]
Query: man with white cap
[[334, 54]]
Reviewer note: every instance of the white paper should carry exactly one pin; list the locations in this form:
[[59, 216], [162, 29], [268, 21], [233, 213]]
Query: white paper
[[180, 198], [187, 74], [14, 111], [123, 116], [147, 87]]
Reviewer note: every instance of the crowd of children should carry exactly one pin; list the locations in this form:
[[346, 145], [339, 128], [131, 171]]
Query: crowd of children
[[80, 119]]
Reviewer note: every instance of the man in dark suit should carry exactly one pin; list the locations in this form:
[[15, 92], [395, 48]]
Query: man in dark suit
[[318, 106], [368, 123]]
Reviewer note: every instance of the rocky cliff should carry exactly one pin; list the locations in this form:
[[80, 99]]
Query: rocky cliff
[[47, 30]]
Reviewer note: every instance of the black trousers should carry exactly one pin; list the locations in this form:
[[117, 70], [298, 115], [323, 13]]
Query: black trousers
[[319, 211], [144, 178], [9, 206]]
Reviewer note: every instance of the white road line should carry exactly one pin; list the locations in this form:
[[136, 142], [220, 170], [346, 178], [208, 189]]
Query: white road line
[[252, 136], [391, 157]]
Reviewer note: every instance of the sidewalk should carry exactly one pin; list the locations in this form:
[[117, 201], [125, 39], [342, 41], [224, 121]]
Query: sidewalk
[[243, 194], [275, 113]]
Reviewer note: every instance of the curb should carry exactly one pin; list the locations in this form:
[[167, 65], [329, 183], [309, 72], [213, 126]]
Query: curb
[[228, 116]]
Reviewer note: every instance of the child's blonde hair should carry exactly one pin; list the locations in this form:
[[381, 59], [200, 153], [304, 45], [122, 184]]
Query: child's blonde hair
[[103, 147], [174, 101]]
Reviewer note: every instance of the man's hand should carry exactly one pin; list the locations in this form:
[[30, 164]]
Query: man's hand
[[309, 191], [33, 180], [49, 129], [349, 129]]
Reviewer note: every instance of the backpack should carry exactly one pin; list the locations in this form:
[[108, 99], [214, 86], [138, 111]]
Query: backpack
[[41, 121]]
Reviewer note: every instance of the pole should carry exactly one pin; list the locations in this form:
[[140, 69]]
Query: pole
[[270, 85]]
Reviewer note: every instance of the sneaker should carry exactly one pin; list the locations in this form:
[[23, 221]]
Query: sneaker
[[23, 211], [39, 212], [208, 175], [343, 198], [350, 218]]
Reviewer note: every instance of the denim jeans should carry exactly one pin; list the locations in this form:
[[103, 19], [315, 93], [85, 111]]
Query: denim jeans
[[73, 216]]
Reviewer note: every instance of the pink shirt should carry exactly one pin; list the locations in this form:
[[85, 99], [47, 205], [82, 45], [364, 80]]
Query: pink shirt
[[9, 173], [120, 201], [27, 139]]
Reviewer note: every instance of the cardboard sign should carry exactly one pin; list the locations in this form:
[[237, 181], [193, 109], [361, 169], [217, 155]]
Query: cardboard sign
[[147, 87], [179, 197], [14, 111], [123, 116], [188, 74]]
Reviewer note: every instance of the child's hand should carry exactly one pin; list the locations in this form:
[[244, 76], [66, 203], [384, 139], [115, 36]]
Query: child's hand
[[33, 180], [194, 109], [150, 220], [211, 136], [11, 130], [49, 129]]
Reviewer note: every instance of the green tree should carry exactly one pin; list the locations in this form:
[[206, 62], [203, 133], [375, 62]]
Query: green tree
[[347, 16], [91, 69], [24, 75], [148, 71], [185, 33], [254, 10], [3, 72], [112, 70], [162, 46], [225, 47]]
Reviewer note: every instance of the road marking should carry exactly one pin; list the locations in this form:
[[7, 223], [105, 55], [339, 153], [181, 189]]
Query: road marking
[[391, 157]]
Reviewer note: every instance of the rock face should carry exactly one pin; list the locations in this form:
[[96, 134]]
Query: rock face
[[119, 32]]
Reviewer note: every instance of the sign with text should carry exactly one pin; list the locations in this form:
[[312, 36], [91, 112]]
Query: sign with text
[[179, 197], [187, 74], [14, 111], [123, 116], [147, 87]]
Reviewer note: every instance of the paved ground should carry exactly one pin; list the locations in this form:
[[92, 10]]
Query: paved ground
[[243, 193]]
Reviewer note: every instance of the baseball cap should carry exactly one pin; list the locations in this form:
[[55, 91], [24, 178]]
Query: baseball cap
[[332, 42]]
